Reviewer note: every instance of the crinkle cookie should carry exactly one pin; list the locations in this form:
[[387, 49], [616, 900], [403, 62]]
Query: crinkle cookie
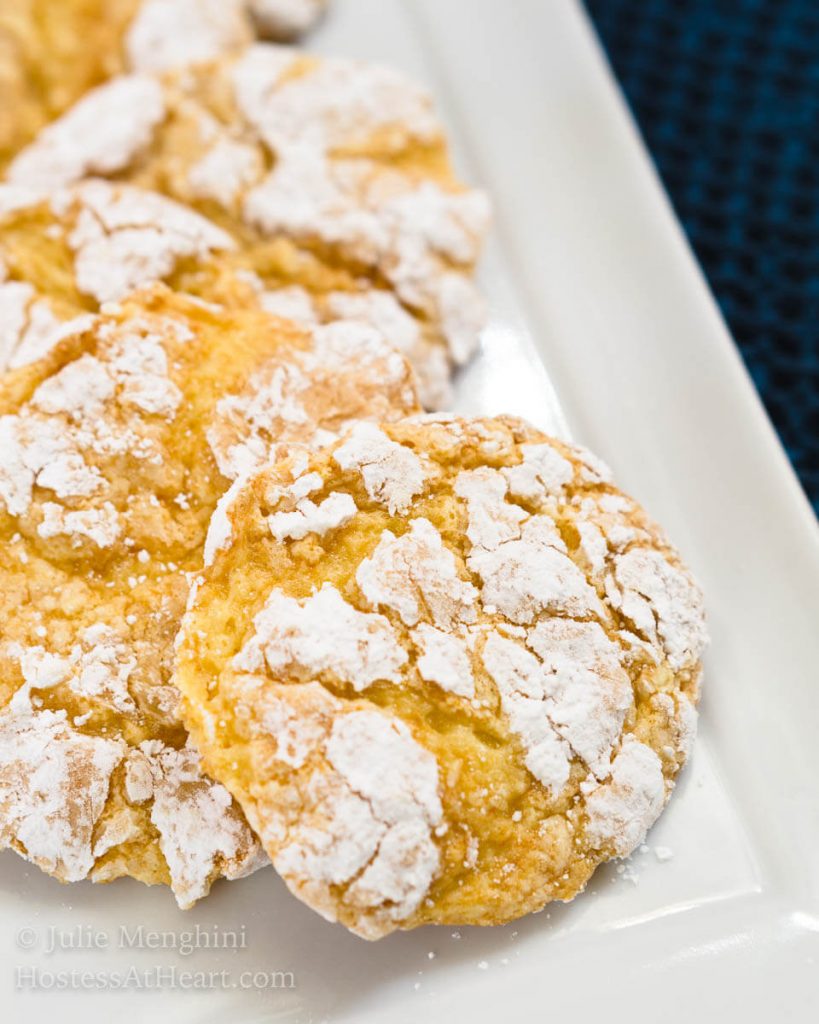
[[63, 254], [53, 51], [325, 163], [114, 451], [446, 667]]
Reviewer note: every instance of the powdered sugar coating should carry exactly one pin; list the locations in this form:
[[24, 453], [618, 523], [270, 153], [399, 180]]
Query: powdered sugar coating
[[169, 33], [381, 310], [522, 685], [119, 238], [125, 238], [56, 780], [557, 722], [308, 517], [348, 372], [521, 559], [76, 413], [392, 474], [399, 781], [587, 686], [107, 477], [567, 695], [17, 197], [532, 574], [43, 814], [291, 302], [101, 525], [49, 60], [356, 647], [225, 171], [28, 325], [219, 529], [621, 810], [358, 176], [372, 794], [411, 239], [416, 575], [444, 659], [661, 601], [200, 832], [542, 473], [102, 134], [336, 103]]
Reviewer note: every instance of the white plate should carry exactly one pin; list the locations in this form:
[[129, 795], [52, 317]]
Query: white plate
[[589, 262]]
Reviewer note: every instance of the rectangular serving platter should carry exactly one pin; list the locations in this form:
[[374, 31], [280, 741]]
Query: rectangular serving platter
[[603, 329]]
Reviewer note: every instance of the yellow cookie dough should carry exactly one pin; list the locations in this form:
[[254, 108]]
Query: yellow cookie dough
[[65, 253], [446, 667], [53, 51], [115, 448], [334, 169]]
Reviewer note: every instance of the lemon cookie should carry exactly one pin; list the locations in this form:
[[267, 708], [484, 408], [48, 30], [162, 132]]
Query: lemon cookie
[[337, 168], [53, 52], [446, 667], [114, 451], [63, 254]]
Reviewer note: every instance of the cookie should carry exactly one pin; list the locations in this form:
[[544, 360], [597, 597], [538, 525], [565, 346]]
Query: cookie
[[63, 254], [446, 667], [52, 53], [324, 164], [114, 451]]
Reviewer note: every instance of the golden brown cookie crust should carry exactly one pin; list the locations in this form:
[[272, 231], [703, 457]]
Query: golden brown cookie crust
[[64, 253], [447, 668], [335, 170], [115, 448], [51, 53]]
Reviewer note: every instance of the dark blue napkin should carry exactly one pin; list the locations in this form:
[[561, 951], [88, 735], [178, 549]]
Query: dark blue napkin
[[726, 93]]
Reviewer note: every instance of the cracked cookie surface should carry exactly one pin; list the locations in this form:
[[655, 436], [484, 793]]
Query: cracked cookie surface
[[446, 667], [115, 449], [64, 254], [52, 53], [334, 169]]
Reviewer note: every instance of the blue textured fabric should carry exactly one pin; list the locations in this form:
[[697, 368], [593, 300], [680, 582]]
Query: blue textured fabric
[[726, 93]]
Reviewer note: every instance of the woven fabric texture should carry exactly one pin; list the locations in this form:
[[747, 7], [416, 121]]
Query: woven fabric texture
[[726, 93]]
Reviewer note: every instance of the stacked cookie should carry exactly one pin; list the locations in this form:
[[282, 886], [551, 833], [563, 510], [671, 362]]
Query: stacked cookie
[[256, 603], [330, 177]]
